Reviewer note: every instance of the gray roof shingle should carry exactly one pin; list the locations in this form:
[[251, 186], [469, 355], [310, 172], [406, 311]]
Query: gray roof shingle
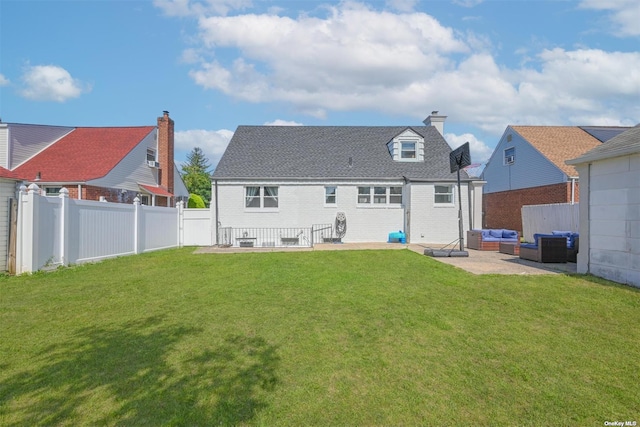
[[625, 143], [325, 152]]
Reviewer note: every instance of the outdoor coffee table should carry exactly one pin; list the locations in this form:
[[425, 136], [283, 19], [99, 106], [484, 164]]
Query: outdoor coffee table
[[509, 248]]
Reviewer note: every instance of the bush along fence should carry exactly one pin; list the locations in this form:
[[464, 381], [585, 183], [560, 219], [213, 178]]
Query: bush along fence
[[59, 231]]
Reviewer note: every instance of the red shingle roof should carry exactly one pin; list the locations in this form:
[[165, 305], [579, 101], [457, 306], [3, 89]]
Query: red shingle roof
[[158, 191], [84, 154], [6, 173]]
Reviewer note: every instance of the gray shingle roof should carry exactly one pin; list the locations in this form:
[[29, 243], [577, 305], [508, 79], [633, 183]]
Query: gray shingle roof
[[317, 152], [627, 142], [604, 133]]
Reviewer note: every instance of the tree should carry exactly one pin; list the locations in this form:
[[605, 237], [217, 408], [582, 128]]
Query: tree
[[196, 174]]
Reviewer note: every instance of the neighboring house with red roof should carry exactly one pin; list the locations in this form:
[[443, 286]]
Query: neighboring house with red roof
[[115, 164], [528, 167]]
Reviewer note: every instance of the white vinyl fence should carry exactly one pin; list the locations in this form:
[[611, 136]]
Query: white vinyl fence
[[546, 218], [196, 228], [55, 231]]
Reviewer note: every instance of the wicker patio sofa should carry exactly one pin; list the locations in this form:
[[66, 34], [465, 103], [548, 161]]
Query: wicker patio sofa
[[547, 248], [489, 239]]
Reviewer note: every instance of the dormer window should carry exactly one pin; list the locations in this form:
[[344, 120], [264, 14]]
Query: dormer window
[[407, 147], [408, 150]]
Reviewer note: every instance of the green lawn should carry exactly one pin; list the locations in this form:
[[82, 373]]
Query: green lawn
[[345, 338]]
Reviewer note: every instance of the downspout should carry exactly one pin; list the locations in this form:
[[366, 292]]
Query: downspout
[[215, 184], [407, 210], [79, 191], [471, 201], [573, 190], [588, 257]]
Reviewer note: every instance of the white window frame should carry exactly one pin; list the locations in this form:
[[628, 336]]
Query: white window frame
[[327, 195], [375, 198], [265, 197], [52, 191], [450, 193], [151, 154], [404, 151]]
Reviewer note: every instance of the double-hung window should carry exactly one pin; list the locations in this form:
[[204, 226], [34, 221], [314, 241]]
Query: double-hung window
[[444, 194], [380, 195], [408, 150], [395, 195], [330, 195], [261, 197], [364, 195]]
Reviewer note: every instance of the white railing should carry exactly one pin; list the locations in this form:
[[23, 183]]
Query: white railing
[[546, 218], [57, 231]]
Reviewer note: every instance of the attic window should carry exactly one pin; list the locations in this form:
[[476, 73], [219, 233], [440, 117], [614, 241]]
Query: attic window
[[151, 155], [509, 156], [408, 150]]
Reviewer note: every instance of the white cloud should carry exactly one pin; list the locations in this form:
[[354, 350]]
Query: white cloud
[[354, 57], [51, 83], [624, 15], [480, 152], [340, 61], [280, 122], [212, 142], [3, 80]]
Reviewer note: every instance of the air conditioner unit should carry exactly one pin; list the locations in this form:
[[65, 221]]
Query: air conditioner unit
[[153, 164], [510, 159]]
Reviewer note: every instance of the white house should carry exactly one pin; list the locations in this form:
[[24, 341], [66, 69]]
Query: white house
[[610, 209], [374, 180]]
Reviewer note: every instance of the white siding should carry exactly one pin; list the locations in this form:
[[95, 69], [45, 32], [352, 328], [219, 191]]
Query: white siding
[[614, 221], [25, 141], [303, 206], [436, 223], [530, 169], [132, 169], [7, 191]]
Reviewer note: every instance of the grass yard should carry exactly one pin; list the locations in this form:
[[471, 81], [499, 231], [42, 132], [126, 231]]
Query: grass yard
[[345, 338]]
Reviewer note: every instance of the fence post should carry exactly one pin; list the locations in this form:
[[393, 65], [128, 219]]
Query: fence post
[[136, 225], [27, 248], [64, 224], [20, 238], [180, 207]]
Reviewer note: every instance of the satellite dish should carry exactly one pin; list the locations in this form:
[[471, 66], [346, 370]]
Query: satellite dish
[[460, 158]]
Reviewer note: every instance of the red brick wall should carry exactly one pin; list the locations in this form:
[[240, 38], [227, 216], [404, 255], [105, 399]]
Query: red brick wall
[[93, 193], [166, 151], [504, 209]]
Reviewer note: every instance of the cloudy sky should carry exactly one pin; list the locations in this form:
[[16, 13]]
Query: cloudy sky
[[217, 64]]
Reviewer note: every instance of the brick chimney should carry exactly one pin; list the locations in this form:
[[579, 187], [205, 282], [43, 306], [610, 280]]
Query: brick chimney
[[165, 151], [436, 121]]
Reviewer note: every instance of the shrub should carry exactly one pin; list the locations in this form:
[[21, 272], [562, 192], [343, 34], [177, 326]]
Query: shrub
[[195, 201]]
